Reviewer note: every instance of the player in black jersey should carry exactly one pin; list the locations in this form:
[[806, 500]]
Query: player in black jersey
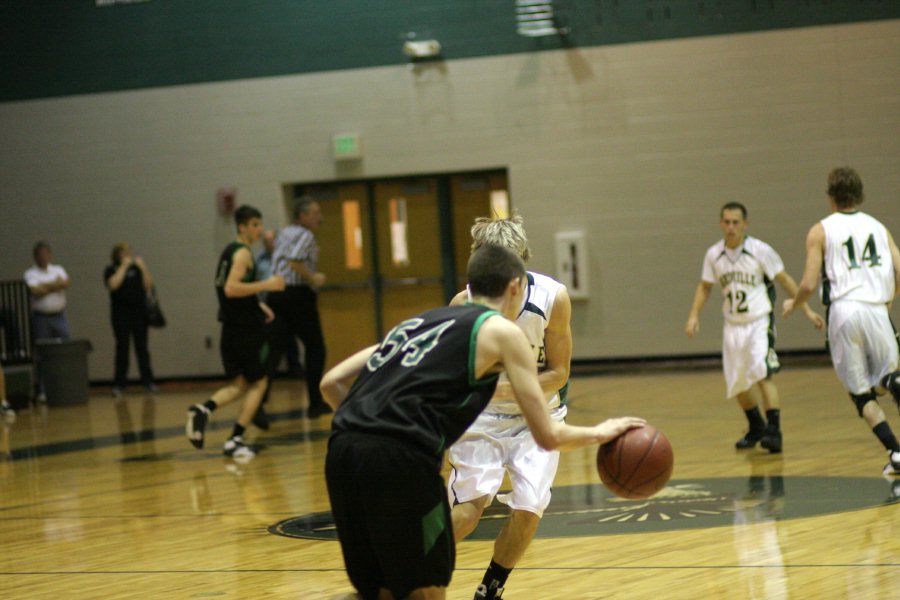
[[243, 344], [400, 404]]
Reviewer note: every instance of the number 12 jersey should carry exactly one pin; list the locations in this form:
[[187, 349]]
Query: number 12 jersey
[[746, 274]]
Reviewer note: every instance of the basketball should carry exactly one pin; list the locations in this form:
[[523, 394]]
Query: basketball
[[637, 464]]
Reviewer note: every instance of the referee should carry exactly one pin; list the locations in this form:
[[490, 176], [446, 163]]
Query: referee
[[296, 309]]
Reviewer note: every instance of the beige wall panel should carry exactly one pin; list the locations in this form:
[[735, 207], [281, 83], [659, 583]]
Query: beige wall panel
[[637, 144]]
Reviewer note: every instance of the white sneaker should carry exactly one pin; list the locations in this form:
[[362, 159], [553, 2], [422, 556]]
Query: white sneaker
[[238, 450], [482, 591], [893, 466], [9, 415]]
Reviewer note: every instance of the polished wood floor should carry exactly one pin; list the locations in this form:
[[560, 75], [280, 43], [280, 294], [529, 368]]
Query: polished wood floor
[[108, 500]]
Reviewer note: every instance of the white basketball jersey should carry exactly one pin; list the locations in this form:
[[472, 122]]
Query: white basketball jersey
[[746, 274], [857, 262], [534, 316]]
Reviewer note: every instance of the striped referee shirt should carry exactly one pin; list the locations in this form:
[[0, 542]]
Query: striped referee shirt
[[294, 242]]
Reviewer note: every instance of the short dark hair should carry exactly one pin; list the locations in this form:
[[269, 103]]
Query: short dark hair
[[845, 187], [301, 205], [490, 270], [244, 213], [38, 246], [117, 250], [733, 206]]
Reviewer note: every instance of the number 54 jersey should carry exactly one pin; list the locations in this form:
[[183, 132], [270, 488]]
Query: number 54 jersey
[[858, 264], [746, 274], [419, 385]]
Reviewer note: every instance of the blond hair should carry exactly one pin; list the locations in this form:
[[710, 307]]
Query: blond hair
[[508, 233]]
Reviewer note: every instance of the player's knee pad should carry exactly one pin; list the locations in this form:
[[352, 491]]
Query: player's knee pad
[[861, 400]]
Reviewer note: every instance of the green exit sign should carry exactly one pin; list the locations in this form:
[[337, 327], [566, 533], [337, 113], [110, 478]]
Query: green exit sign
[[347, 146]]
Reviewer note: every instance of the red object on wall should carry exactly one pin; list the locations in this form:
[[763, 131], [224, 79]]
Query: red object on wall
[[226, 200]]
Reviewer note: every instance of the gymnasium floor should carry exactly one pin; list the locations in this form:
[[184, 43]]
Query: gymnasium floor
[[109, 500]]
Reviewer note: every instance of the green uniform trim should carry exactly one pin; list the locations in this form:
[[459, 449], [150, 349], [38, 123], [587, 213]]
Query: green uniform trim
[[473, 343], [434, 525]]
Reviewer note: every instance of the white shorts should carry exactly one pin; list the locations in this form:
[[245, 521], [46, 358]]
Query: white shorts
[[862, 342], [748, 354], [493, 445]]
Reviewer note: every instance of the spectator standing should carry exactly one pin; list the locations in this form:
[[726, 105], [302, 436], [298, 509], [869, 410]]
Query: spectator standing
[[129, 281], [47, 284]]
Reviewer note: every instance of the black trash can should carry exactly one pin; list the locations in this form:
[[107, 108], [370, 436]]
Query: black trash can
[[64, 369]]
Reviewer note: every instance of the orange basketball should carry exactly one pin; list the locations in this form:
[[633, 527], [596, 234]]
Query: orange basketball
[[637, 464]]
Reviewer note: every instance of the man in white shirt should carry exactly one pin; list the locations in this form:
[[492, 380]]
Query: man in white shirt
[[860, 266], [746, 268], [47, 284]]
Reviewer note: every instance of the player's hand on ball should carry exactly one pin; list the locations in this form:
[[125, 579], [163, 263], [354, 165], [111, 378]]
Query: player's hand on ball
[[613, 428]]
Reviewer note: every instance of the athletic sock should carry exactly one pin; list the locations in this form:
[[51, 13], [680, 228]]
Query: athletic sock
[[210, 405], [494, 579], [238, 430], [886, 380], [757, 425], [884, 434], [773, 417]]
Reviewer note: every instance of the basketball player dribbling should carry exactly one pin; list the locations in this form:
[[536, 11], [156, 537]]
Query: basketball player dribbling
[[399, 405], [498, 442]]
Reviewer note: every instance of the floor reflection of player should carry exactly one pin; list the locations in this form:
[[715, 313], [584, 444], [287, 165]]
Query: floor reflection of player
[[875, 540], [129, 435], [201, 498], [5, 454], [756, 534]]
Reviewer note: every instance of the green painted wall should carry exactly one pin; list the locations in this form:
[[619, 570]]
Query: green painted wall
[[64, 47]]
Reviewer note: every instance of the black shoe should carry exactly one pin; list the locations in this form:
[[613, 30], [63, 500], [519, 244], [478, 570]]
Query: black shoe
[[196, 424], [261, 419], [749, 440], [771, 441], [317, 409]]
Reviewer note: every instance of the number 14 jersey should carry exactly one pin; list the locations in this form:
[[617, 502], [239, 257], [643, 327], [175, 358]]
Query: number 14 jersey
[[746, 274], [857, 262]]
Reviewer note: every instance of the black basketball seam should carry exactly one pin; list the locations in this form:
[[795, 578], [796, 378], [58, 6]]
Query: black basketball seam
[[650, 479], [654, 477], [616, 459], [637, 467]]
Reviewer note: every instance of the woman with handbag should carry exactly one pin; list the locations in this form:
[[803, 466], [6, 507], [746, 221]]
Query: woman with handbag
[[129, 283]]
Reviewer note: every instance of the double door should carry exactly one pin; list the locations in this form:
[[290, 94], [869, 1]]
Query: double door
[[393, 248]]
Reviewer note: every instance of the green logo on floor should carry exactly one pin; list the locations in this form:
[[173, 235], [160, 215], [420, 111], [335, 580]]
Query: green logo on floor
[[590, 510]]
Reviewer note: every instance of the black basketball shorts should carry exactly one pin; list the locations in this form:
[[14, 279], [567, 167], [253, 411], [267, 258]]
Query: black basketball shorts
[[391, 512], [244, 352]]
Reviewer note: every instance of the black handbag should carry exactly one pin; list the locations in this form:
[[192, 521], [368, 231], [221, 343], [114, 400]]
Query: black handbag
[[155, 317]]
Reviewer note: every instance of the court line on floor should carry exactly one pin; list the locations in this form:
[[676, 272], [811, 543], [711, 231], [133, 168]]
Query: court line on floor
[[474, 569]]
